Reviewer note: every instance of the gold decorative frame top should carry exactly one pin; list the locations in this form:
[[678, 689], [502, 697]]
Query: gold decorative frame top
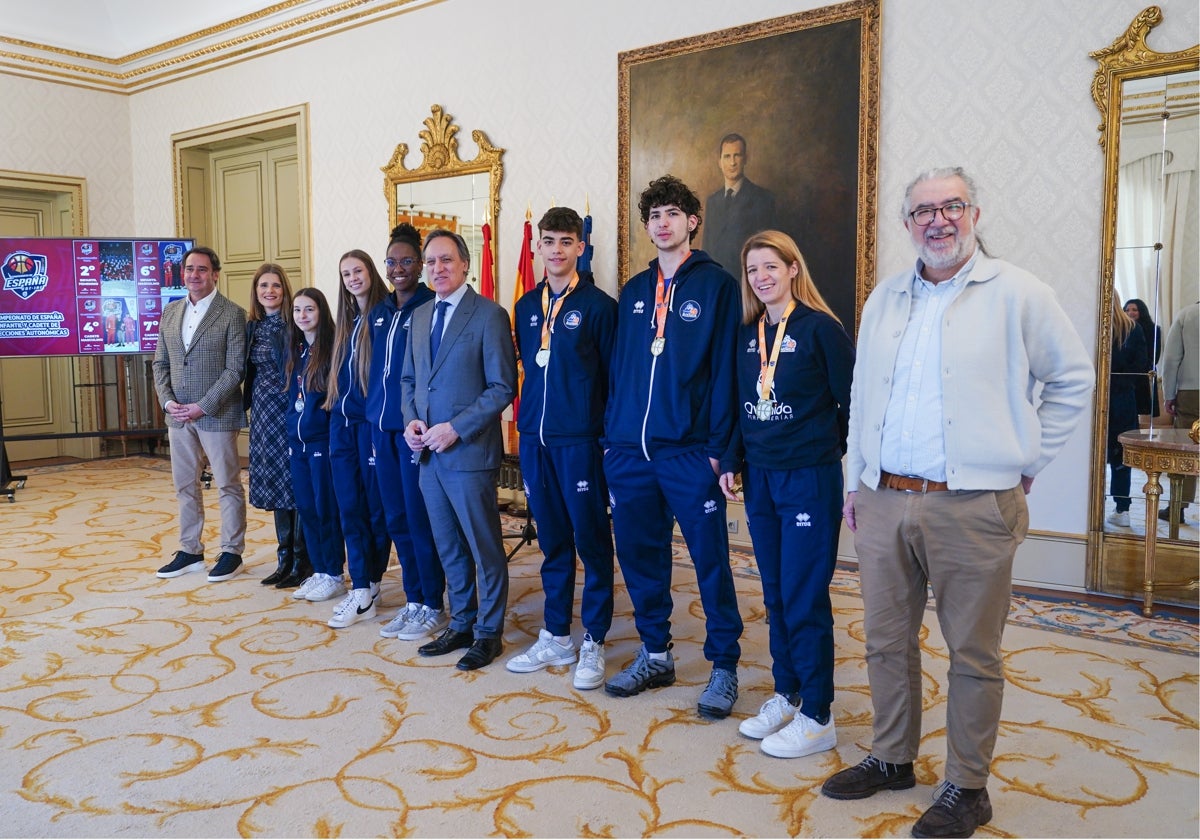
[[439, 150], [1128, 57]]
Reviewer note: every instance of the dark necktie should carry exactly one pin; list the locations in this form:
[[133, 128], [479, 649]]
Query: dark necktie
[[728, 196], [439, 326]]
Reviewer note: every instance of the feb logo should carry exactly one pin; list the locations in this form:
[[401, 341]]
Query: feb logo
[[24, 274], [147, 249], [89, 305], [690, 310], [86, 249], [572, 319]]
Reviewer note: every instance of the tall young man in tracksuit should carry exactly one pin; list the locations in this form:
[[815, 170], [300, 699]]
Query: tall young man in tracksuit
[[565, 330], [670, 417], [395, 471]]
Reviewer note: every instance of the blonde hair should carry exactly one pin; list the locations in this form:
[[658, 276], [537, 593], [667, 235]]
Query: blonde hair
[[1122, 324], [803, 288]]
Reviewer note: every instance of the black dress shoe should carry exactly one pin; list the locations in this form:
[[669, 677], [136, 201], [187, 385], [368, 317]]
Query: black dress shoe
[[449, 641], [483, 652]]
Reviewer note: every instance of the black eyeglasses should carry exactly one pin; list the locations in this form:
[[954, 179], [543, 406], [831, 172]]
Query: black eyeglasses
[[951, 212], [407, 262]]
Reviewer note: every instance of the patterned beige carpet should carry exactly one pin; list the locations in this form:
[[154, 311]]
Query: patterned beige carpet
[[137, 707]]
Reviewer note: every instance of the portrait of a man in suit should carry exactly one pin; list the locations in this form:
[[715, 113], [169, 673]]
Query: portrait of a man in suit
[[460, 373], [738, 209]]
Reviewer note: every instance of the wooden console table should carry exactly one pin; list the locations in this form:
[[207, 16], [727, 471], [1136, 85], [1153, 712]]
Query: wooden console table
[[1157, 452]]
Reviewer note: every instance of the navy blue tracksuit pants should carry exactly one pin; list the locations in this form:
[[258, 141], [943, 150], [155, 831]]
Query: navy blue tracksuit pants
[[795, 517], [312, 485], [407, 520], [565, 489], [363, 524], [645, 495]]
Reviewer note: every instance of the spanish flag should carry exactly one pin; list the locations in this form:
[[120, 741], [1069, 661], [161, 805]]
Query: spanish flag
[[525, 282]]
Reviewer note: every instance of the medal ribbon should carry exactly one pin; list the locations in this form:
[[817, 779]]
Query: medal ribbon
[[550, 313], [767, 367], [663, 299]]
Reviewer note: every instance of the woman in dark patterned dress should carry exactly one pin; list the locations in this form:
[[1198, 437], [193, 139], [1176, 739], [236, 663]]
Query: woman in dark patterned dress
[[265, 395]]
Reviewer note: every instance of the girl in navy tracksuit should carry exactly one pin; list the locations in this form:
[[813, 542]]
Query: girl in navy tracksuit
[[794, 364], [310, 344], [395, 471], [363, 523]]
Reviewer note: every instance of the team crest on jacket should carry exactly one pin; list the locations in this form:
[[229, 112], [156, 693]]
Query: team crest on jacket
[[690, 310], [639, 307], [533, 320], [788, 345], [752, 347], [573, 319]]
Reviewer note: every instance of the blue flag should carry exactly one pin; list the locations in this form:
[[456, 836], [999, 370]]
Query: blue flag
[[585, 262]]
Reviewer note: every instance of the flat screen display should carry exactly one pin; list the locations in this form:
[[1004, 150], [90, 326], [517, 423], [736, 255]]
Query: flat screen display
[[70, 297]]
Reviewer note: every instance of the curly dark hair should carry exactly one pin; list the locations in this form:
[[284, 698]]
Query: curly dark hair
[[669, 190], [406, 233]]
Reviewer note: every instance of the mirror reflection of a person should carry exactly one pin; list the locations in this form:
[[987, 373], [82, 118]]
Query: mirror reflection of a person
[[738, 209]]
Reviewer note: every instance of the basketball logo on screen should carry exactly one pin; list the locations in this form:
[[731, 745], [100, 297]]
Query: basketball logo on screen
[[24, 274]]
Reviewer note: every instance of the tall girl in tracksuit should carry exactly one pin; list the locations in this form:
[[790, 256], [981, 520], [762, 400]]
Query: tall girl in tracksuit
[[395, 471], [363, 523], [794, 363], [310, 345]]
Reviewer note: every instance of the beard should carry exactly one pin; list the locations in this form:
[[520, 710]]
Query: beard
[[964, 245]]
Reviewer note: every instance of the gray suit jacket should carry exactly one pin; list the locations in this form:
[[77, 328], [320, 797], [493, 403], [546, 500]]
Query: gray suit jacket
[[209, 372], [469, 384]]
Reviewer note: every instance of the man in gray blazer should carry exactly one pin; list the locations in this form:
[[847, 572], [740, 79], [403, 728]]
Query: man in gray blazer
[[460, 373], [198, 370]]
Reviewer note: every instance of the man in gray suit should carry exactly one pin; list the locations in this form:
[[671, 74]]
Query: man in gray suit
[[198, 370], [460, 373]]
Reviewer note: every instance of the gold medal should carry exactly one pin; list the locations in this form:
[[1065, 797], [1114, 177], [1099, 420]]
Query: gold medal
[[764, 409], [542, 358], [657, 345]]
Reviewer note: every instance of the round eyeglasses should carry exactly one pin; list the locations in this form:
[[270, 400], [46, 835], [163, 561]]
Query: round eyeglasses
[[951, 212], [406, 262]]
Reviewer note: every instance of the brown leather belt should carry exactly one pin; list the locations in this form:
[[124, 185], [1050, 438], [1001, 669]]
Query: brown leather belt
[[910, 484]]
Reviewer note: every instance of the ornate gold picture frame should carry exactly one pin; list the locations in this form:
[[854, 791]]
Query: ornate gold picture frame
[[803, 92]]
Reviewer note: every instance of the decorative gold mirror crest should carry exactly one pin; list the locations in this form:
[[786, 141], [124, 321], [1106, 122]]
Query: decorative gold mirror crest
[[446, 191]]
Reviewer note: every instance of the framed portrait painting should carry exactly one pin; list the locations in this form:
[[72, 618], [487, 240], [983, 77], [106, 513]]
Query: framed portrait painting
[[786, 111]]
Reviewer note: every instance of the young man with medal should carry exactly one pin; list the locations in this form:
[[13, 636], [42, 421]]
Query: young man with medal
[[671, 414], [566, 327], [794, 364]]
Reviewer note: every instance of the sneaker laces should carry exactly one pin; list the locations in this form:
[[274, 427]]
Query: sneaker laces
[[724, 683], [346, 605], [589, 655]]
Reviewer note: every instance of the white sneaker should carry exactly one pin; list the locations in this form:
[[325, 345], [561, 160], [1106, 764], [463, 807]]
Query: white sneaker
[[355, 607], [774, 715], [374, 591], [803, 736], [1119, 518], [545, 651], [306, 587], [407, 613], [428, 622], [589, 673], [324, 589]]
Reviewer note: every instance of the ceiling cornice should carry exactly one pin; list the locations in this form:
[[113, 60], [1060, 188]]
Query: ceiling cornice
[[279, 26]]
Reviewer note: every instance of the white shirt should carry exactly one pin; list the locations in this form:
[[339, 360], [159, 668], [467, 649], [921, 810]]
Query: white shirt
[[193, 314], [454, 299], [912, 441]]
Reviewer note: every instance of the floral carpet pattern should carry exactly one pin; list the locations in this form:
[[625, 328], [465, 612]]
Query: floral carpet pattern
[[137, 707]]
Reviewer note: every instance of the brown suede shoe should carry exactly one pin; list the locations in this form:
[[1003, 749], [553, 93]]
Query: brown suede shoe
[[956, 812]]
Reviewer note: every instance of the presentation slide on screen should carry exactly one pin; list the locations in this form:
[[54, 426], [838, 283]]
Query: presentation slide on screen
[[69, 297]]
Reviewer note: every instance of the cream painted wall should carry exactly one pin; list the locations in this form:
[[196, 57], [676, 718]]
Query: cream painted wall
[[1001, 87]]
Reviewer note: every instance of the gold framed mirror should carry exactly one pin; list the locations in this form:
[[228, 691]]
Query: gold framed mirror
[[1149, 105], [447, 192]]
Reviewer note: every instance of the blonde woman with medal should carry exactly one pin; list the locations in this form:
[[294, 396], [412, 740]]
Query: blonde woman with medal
[[794, 364], [567, 326]]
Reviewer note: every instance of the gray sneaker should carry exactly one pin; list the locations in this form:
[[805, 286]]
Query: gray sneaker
[[642, 674], [717, 699]]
